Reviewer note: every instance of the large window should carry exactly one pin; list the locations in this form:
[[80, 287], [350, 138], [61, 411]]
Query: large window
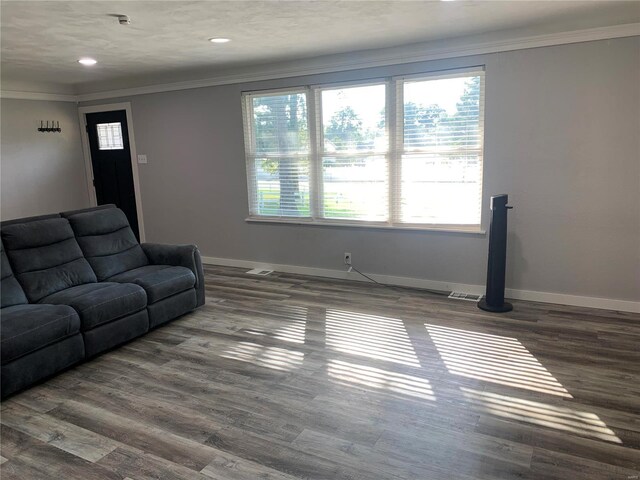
[[278, 159], [354, 153], [399, 152]]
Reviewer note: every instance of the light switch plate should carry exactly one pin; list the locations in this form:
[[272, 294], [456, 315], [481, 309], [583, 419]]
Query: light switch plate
[[142, 159]]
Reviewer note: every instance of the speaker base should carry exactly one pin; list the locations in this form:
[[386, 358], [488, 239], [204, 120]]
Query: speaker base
[[505, 307]]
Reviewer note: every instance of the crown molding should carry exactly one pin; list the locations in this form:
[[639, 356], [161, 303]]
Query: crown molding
[[50, 97], [365, 59], [378, 58]]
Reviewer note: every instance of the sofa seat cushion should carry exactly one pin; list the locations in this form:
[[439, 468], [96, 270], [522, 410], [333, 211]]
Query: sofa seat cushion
[[27, 328], [100, 303], [159, 281]]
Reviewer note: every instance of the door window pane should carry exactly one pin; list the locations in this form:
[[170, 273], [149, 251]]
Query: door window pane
[[110, 136]]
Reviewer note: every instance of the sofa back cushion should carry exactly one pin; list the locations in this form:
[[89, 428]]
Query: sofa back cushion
[[11, 292], [45, 257], [107, 241]]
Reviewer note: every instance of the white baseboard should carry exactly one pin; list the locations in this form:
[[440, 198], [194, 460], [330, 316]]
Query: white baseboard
[[544, 297]]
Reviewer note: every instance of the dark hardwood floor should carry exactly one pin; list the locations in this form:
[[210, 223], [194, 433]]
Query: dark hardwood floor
[[287, 376]]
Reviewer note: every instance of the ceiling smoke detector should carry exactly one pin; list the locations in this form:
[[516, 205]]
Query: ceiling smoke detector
[[124, 20]]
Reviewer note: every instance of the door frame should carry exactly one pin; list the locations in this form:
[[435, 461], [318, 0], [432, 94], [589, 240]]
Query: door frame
[[88, 167]]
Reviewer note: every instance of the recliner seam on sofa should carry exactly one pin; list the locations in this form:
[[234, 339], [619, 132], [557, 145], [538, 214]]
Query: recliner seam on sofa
[[111, 300], [114, 253], [42, 246], [98, 234], [110, 279], [89, 292], [169, 279], [36, 328], [55, 266], [53, 342], [102, 284]]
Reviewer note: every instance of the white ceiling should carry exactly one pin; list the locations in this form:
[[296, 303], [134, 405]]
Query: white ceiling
[[41, 41]]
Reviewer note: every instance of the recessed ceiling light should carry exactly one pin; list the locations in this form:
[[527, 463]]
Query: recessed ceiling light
[[87, 61], [219, 40]]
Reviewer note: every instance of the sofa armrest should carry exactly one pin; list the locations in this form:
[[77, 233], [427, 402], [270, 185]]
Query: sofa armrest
[[178, 256]]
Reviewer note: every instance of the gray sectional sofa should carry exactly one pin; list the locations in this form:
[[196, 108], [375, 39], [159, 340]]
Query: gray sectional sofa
[[78, 283]]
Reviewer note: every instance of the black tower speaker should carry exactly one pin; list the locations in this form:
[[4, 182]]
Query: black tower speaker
[[493, 301]]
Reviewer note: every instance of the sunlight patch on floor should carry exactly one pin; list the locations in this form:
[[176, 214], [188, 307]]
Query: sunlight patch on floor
[[270, 357], [351, 374], [372, 336], [493, 358], [293, 330], [295, 312], [543, 414]]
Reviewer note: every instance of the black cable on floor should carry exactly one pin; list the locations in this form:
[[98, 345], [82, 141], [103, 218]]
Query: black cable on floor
[[435, 292]]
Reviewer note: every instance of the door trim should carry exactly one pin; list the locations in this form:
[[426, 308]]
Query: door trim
[[126, 106]]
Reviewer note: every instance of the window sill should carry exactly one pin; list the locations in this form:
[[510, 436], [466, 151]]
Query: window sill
[[466, 229]]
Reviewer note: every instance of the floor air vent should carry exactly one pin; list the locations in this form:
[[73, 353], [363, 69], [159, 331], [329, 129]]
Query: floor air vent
[[259, 271], [469, 297]]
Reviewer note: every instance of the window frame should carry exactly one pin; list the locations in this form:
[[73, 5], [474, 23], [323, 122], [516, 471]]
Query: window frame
[[316, 92], [394, 125], [399, 150], [250, 147]]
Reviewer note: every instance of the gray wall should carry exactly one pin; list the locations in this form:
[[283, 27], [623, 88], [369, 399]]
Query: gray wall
[[562, 139], [41, 172]]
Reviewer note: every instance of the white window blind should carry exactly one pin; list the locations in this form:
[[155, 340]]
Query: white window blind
[[277, 147], [354, 153], [400, 152], [440, 135]]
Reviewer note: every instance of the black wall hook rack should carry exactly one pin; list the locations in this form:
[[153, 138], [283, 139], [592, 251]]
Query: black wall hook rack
[[55, 126]]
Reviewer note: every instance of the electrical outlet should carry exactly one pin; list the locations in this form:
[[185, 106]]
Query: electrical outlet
[[347, 258]]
